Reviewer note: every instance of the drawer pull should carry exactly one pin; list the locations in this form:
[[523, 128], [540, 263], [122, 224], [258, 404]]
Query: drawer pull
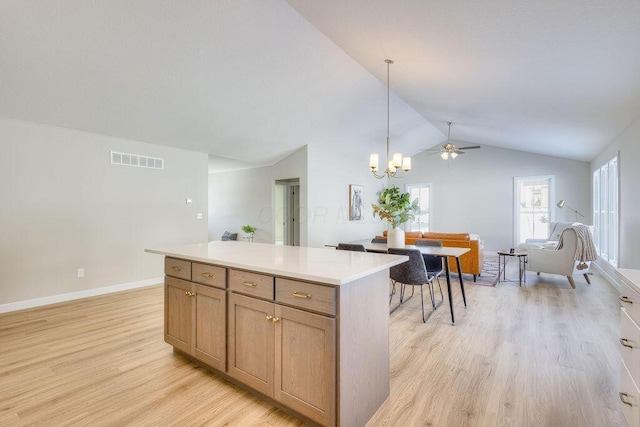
[[624, 342], [250, 284], [269, 317], [206, 274], [275, 319], [189, 294], [623, 400], [176, 268], [626, 300], [301, 295]]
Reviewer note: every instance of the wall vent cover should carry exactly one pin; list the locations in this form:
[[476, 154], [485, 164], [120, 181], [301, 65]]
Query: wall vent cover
[[136, 160]]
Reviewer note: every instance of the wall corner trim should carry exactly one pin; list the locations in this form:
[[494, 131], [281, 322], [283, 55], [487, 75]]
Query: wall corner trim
[[54, 299]]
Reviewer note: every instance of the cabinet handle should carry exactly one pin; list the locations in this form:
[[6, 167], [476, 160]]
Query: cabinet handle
[[269, 317], [189, 294], [623, 400], [275, 319], [626, 300], [250, 284], [176, 268], [624, 342], [207, 275], [301, 295]]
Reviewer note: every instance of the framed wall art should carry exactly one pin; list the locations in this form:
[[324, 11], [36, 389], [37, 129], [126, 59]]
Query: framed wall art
[[356, 202]]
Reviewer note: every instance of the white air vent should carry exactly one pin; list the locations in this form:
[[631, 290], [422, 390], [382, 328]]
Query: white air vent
[[136, 160]]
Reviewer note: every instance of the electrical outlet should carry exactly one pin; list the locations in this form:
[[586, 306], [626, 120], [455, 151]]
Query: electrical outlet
[[81, 272]]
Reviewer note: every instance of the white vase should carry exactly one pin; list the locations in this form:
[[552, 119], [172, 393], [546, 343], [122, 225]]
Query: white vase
[[395, 238]]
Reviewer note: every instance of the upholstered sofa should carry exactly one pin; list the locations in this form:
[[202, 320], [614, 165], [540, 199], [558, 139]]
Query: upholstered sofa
[[471, 262]]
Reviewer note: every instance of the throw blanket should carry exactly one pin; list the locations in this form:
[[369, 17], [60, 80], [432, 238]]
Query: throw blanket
[[585, 249]]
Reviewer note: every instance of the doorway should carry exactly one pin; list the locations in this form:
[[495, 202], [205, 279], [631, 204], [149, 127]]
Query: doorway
[[287, 212]]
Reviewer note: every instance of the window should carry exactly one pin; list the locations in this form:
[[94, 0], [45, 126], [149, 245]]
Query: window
[[422, 192], [533, 196], [605, 211]]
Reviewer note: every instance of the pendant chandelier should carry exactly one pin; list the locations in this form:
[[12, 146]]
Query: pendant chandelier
[[397, 161]]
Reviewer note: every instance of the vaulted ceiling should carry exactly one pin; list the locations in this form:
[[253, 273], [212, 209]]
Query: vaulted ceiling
[[251, 81]]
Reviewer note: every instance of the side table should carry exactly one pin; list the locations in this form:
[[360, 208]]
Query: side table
[[522, 260]]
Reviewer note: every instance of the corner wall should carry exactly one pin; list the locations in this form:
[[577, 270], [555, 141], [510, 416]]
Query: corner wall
[[65, 207]]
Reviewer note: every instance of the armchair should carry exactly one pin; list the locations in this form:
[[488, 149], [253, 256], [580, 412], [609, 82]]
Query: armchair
[[555, 230], [559, 261]]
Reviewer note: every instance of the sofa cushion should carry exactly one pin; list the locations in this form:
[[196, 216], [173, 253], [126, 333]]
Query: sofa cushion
[[445, 236]]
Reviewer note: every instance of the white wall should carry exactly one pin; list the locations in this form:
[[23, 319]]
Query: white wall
[[246, 196], [629, 149], [474, 192], [64, 207]]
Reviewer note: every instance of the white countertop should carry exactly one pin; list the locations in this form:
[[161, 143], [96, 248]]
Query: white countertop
[[313, 264], [632, 277]]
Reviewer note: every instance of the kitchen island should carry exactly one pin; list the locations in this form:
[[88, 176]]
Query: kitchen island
[[306, 327]]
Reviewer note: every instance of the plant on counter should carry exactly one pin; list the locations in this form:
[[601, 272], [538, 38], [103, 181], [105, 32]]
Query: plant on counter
[[395, 207], [250, 230]]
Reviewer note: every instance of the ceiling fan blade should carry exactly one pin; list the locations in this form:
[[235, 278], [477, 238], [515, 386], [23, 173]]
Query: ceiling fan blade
[[457, 151], [468, 148]]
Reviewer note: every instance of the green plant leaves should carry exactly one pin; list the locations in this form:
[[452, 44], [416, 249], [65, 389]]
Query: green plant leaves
[[395, 207]]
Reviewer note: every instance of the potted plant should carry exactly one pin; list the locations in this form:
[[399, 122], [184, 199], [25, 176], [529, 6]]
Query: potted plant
[[250, 230], [396, 208]]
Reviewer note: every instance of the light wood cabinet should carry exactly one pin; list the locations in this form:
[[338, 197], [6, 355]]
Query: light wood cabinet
[[284, 353], [305, 367], [251, 342], [318, 348], [630, 346], [195, 319]]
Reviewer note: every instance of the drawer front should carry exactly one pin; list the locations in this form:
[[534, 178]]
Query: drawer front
[[308, 296], [254, 284], [209, 275], [630, 345], [630, 301], [177, 268], [629, 397]]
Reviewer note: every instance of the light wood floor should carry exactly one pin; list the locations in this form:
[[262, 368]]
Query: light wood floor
[[541, 355]]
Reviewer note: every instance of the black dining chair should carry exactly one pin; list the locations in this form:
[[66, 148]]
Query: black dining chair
[[351, 247], [410, 273], [378, 240], [434, 266]]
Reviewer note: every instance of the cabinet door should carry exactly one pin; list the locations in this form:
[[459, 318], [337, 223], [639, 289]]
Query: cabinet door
[[305, 367], [210, 317], [178, 312], [251, 342]]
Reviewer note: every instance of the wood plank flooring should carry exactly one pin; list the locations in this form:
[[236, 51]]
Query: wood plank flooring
[[540, 355]]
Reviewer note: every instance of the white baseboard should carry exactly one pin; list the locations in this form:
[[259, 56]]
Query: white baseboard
[[37, 302]]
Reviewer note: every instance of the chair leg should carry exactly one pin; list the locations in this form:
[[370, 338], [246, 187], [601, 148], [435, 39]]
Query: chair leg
[[586, 277], [393, 291], [571, 282], [424, 319]]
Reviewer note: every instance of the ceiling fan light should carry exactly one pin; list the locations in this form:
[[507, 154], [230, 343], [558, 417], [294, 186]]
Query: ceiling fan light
[[454, 155], [444, 155]]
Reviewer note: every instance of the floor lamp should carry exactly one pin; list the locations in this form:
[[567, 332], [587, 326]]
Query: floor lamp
[[561, 204]]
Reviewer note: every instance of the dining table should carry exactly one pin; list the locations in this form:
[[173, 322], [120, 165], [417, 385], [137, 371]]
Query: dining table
[[444, 252]]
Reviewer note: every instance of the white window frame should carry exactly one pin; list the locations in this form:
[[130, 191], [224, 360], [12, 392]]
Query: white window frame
[[429, 211], [606, 210], [516, 200]]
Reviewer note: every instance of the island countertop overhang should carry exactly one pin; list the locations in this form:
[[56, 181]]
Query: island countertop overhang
[[311, 264]]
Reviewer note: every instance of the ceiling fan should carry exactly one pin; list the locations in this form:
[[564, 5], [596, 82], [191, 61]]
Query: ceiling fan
[[450, 150]]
